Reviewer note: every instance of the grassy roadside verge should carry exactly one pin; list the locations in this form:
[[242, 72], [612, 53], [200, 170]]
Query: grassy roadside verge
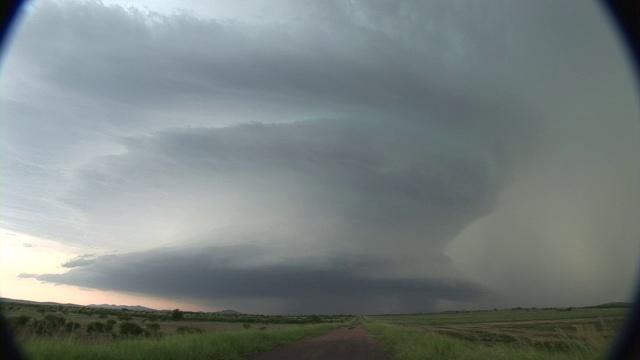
[[404, 343], [221, 345]]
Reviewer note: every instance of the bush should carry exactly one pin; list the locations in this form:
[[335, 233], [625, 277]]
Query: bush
[[19, 321], [55, 322], [129, 329], [40, 327], [97, 328], [47, 325], [176, 314], [153, 331], [71, 326], [185, 330]]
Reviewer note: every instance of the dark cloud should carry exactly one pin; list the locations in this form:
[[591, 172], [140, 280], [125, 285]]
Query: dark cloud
[[222, 274], [209, 72], [347, 173], [381, 135], [151, 60]]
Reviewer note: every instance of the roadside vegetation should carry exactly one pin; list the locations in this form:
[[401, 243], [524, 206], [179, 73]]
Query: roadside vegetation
[[582, 333], [32, 320], [73, 332], [205, 346]]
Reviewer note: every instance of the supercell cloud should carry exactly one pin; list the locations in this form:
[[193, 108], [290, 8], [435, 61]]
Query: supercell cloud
[[332, 158]]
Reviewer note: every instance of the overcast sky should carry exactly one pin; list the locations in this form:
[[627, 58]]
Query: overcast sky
[[320, 157]]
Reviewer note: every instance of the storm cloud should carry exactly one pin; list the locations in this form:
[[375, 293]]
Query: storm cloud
[[226, 275], [342, 156]]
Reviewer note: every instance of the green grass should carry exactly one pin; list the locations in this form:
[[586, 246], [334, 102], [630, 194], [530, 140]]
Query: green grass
[[501, 316], [582, 333], [220, 345], [405, 343], [203, 321]]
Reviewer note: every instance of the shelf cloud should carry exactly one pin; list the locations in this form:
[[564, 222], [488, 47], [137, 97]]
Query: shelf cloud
[[336, 157]]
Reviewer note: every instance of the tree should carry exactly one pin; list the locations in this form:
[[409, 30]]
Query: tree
[[176, 314]]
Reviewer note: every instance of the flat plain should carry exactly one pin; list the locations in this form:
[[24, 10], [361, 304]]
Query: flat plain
[[75, 332], [569, 333], [72, 332]]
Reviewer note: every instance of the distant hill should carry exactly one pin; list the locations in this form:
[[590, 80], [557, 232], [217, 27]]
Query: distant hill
[[142, 308], [101, 306], [118, 307], [49, 303], [110, 306], [227, 312]]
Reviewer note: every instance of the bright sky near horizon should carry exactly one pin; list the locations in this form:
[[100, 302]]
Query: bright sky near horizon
[[318, 157]]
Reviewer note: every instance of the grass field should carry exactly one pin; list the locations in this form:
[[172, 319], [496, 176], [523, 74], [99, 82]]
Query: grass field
[[207, 346], [581, 333], [574, 333], [25, 319], [43, 332]]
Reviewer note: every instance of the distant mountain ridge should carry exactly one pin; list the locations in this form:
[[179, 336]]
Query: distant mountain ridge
[[111, 306], [117, 307], [50, 303], [227, 312], [614, 304]]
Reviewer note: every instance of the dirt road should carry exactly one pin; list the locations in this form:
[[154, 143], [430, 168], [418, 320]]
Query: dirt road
[[341, 344]]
